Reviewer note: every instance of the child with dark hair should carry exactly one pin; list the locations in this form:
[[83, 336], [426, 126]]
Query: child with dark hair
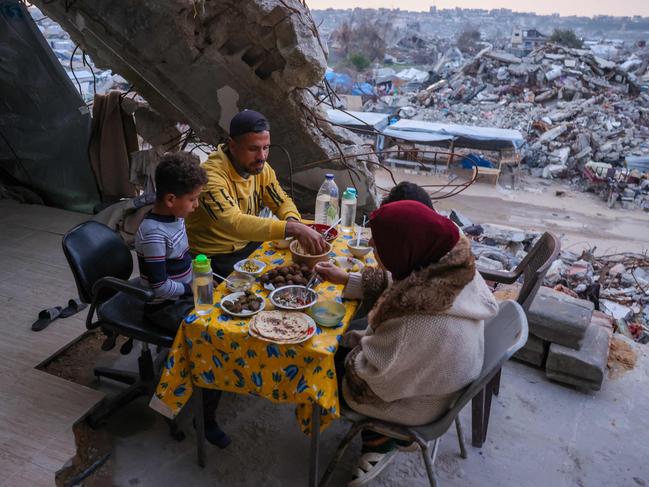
[[165, 263], [406, 190]]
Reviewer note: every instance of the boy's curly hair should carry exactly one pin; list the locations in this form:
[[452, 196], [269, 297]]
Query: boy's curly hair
[[178, 173]]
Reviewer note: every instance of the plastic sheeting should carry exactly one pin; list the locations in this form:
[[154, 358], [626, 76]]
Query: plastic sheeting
[[486, 138], [358, 119], [44, 123]]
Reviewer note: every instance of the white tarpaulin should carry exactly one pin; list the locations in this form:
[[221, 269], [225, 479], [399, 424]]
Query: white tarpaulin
[[488, 137], [358, 119]]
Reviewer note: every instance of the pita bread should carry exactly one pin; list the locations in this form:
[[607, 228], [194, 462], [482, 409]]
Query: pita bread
[[281, 326]]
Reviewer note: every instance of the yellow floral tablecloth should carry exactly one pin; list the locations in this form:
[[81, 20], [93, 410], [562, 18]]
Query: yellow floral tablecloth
[[216, 351]]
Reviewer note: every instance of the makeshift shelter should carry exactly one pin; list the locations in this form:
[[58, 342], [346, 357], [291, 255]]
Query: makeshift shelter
[[362, 123], [503, 141]]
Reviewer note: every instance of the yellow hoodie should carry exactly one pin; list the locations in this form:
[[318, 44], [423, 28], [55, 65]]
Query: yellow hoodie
[[226, 219]]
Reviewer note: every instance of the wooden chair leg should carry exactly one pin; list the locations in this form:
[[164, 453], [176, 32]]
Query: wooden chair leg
[[477, 419]]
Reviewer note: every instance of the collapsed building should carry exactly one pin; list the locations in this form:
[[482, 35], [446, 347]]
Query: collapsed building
[[198, 63]]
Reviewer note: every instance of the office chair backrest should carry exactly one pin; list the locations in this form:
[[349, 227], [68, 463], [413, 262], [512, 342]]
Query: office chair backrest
[[94, 251]]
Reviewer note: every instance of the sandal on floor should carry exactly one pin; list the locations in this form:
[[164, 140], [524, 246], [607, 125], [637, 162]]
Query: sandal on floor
[[369, 466], [74, 306], [46, 317]]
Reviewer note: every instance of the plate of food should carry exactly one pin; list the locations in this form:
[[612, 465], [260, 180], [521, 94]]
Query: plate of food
[[293, 297], [294, 274], [242, 304], [348, 264], [250, 266], [282, 327]]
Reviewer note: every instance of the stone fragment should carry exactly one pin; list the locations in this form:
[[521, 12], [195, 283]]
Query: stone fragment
[[534, 351], [559, 318], [583, 368]]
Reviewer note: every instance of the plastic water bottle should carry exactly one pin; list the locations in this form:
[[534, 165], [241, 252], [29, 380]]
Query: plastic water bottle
[[202, 285], [348, 210], [326, 203]]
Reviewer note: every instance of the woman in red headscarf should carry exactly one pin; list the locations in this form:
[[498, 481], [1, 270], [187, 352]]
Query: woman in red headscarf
[[425, 338]]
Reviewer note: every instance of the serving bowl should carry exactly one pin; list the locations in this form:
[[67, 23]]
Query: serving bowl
[[321, 229], [252, 267], [239, 282], [327, 313], [293, 297], [299, 257], [361, 250]]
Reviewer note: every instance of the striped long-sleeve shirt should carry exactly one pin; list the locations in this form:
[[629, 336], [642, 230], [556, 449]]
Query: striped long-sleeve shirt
[[163, 256]]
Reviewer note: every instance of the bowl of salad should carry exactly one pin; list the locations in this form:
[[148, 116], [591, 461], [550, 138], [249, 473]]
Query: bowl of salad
[[293, 297]]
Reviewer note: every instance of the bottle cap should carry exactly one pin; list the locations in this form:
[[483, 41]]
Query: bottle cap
[[329, 176], [202, 264], [349, 194]]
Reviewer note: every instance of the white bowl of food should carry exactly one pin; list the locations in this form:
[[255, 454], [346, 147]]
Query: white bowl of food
[[361, 250], [348, 264], [282, 243], [293, 297], [238, 283], [250, 266], [242, 304]]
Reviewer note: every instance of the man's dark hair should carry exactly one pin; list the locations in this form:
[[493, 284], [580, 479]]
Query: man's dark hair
[[178, 173], [406, 190]]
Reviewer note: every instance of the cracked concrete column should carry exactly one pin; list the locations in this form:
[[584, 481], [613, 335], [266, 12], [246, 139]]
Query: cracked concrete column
[[201, 61]]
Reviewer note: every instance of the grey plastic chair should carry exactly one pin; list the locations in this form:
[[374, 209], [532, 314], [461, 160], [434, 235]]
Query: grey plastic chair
[[504, 335]]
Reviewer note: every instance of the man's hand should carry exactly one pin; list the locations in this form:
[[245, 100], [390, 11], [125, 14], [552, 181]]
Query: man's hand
[[331, 272], [310, 240]]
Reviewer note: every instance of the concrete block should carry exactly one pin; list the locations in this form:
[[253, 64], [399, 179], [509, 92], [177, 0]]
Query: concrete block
[[533, 352], [559, 318], [584, 368]]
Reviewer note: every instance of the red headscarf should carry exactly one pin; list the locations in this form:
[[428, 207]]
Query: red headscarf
[[409, 236]]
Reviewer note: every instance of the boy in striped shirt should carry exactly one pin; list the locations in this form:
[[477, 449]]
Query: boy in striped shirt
[[165, 263]]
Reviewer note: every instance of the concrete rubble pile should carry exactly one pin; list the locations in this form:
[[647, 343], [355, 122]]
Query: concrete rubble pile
[[573, 106], [199, 63], [584, 300]]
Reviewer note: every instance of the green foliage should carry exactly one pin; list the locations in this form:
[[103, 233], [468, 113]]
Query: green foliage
[[566, 37], [359, 61]]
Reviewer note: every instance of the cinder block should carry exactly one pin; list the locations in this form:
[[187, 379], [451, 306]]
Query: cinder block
[[583, 368], [559, 318], [533, 352]]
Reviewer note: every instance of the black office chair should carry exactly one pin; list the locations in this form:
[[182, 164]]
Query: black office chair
[[102, 264]]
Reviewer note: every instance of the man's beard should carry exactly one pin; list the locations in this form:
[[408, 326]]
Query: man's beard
[[257, 168]]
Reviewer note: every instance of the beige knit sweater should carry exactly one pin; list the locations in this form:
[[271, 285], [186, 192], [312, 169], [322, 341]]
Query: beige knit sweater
[[424, 343]]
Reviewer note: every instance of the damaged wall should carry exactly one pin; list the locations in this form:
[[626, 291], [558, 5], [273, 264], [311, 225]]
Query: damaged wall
[[201, 61]]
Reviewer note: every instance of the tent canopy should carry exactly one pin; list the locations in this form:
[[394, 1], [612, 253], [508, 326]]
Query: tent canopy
[[353, 120], [484, 138]]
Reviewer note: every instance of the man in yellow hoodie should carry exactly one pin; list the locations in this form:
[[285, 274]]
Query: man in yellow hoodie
[[226, 225]]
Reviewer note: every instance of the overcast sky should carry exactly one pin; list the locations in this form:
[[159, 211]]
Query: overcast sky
[[572, 7]]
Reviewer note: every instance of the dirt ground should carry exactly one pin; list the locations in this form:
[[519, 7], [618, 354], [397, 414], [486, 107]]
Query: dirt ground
[[581, 220]]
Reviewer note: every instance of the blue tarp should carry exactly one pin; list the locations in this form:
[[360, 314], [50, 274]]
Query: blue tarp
[[362, 89], [471, 159], [339, 80]]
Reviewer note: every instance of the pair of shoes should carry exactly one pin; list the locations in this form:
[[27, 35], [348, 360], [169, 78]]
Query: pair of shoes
[[369, 466]]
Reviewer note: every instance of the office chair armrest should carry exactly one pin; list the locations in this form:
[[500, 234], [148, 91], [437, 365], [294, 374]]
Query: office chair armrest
[[502, 277], [120, 285]]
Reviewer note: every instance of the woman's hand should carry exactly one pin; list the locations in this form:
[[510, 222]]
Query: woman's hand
[[329, 271]]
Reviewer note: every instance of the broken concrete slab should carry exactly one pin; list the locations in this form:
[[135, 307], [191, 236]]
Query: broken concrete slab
[[199, 63], [583, 368], [534, 351], [559, 318]]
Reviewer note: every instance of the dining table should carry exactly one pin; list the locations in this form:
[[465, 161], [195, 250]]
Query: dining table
[[216, 351]]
